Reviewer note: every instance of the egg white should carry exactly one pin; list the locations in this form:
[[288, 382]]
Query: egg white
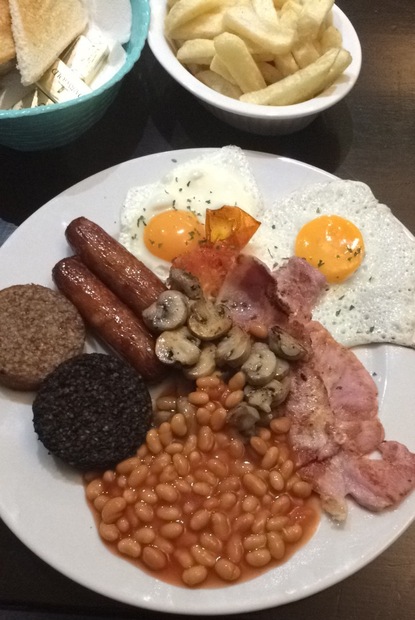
[[206, 182], [377, 303]]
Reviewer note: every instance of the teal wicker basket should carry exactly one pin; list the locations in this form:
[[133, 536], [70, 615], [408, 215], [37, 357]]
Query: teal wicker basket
[[46, 127]]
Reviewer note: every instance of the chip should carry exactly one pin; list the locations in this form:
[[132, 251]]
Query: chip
[[265, 52], [300, 86]]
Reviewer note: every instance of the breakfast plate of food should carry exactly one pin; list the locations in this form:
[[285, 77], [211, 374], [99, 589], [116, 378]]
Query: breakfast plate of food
[[262, 445]]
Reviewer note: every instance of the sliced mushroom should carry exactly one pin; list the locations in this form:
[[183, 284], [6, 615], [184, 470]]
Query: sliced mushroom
[[269, 396], [170, 311], [243, 417], [284, 345], [178, 346], [205, 366], [283, 368], [186, 282], [261, 366], [234, 348], [209, 321]]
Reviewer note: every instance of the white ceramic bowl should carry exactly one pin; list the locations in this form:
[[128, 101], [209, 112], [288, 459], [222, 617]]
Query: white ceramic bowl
[[266, 120]]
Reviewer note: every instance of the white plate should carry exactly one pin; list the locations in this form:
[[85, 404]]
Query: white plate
[[43, 503]]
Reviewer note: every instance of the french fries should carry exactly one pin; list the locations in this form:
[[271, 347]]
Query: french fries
[[299, 86], [196, 51], [266, 12], [234, 54], [185, 10], [267, 52], [244, 21], [312, 16], [218, 83]]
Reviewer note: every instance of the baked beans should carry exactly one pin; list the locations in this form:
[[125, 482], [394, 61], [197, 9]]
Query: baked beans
[[198, 504]]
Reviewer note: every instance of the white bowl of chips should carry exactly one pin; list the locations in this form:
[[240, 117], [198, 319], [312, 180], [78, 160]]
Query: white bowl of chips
[[294, 86]]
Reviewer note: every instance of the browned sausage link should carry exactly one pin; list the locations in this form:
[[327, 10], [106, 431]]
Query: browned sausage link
[[108, 317], [134, 283]]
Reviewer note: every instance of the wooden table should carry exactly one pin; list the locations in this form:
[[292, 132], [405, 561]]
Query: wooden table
[[369, 137]]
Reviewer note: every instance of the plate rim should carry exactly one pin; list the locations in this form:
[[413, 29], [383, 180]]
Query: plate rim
[[152, 605]]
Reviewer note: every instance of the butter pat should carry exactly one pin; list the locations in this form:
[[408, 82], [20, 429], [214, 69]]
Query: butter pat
[[86, 57], [34, 99], [61, 84]]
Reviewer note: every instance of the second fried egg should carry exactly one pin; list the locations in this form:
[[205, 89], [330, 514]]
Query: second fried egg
[[332, 244], [376, 303]]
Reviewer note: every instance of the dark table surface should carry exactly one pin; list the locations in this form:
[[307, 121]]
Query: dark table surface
[[369, 136]]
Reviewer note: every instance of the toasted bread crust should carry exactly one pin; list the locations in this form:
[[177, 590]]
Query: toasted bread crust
[[42, 29], [7, 49], [39, 329]]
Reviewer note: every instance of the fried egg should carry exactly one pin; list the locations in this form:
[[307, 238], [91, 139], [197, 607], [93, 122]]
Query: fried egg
[[332, 244], [374, 301], [162, 220]]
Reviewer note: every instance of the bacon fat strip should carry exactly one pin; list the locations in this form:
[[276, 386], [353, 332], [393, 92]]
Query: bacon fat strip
[[134, 283], [108, 317]]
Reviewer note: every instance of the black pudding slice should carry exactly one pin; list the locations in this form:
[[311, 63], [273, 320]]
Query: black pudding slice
[[92, 411]]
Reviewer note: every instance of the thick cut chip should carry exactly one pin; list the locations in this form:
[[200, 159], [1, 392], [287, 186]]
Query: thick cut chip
[[185, 10], [312, 16], [218, 66], [270, 73], [289, 14], [244, 21], [300, 86], [262, 56], [197, 51], [286, 64], [234, 53], [330, 37], [206, 26], [266, 12], [219, 83], [305, 53], [340, 64]]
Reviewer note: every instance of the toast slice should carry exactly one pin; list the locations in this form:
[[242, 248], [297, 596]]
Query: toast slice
[[7, 49], [42, 29]]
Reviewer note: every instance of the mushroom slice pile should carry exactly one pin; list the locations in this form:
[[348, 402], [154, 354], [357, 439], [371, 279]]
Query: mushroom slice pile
[[199, 335]]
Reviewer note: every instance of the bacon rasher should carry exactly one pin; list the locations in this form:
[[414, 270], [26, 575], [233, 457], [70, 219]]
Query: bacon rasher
[[336, 434]]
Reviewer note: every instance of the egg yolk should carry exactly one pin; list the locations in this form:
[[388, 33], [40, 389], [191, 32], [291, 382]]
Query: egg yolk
[[172, 233], [332, 244]]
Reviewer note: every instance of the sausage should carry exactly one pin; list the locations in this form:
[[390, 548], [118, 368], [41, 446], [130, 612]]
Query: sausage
[[108, 317], [134, 283]]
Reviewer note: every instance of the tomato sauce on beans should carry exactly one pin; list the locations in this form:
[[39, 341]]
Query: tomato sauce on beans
[[199, 505]]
